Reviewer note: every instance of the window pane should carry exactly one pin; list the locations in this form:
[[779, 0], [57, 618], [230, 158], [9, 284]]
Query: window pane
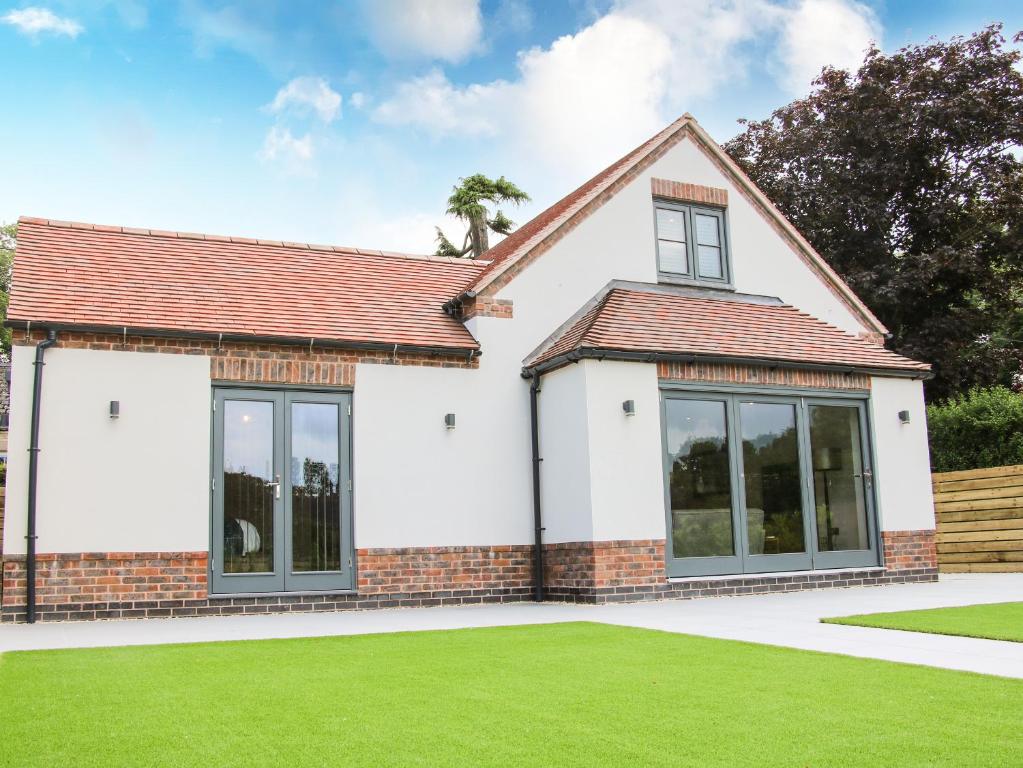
[[248, 495], [710, 262], [770, 455], [707, 230], [672, 257], [700, 479], [671, 225], [838, 478], [315, 501]]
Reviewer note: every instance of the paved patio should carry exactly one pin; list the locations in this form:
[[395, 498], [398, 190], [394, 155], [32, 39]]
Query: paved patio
[[790, 620]]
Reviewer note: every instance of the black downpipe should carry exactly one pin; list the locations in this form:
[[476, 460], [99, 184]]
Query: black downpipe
[[33, 474], [538, 586]]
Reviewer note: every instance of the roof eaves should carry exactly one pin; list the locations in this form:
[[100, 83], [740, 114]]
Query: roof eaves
[[472, 350], [609, 353]]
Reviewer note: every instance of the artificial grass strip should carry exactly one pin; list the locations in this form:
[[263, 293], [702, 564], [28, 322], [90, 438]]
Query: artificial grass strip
[[556, 695], [993, 621]]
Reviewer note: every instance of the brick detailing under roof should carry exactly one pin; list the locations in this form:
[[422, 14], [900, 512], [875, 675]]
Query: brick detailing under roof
[[760, 375], [660, 321], [689, 193], [112, 277]]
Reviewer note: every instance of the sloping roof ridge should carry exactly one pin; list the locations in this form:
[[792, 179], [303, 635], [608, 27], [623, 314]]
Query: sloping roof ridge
[[587, 192], [827, 272], [594, 305], [565, 209], [176, 235]]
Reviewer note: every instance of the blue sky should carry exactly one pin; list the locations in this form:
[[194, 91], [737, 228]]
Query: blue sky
[[348, 122]]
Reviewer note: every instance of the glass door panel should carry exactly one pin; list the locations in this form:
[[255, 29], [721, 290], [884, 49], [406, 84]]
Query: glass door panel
[[251, 487], [841, 487], [247, 504], [318, 503], [700, 487], [772, 486], [276, 530]]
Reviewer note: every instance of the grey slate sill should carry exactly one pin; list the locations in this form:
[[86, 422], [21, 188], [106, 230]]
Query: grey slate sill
[[776, 574]]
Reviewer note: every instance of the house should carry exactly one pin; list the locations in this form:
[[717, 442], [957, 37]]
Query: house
[[655, 388]]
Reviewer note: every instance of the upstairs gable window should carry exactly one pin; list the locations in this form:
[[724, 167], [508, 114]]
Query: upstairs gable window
[[692, 245]]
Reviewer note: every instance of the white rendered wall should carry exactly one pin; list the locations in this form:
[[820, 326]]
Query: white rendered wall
[[567, 490], [418, 484], [625, 451], [902, 465], [139, 483], [618, 242], [615, 242]]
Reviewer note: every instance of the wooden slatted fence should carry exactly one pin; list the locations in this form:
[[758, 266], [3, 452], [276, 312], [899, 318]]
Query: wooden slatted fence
[[980, 520]]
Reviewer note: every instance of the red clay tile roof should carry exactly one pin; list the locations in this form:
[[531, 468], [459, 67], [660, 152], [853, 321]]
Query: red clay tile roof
[[585, 199], [668, 322], [98, 276]]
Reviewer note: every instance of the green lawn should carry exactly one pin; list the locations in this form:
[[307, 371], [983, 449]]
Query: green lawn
[[568, 694], [995, 621]]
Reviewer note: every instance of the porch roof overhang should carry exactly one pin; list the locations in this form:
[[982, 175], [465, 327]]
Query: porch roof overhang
[[652, 323]]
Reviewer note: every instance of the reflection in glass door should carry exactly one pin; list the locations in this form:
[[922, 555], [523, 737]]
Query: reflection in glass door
[[276, 530], [700, 487], [772, 487], [766, 483], [840, 485]]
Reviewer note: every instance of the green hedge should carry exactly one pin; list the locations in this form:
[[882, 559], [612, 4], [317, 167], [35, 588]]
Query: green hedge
[[982, 429]]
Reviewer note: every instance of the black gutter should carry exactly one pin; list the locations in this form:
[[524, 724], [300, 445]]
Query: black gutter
[[538, 585], [591, 353], [33, 476], [297, 341]]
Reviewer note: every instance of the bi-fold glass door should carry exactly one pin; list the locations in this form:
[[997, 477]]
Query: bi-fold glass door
[[282, 515], [759, 483]]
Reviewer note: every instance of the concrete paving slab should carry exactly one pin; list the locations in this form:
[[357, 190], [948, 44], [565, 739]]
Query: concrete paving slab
[[790, 619]]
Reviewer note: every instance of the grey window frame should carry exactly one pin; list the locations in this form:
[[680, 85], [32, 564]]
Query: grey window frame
[[693, 276], [282, 580], [742, 562]]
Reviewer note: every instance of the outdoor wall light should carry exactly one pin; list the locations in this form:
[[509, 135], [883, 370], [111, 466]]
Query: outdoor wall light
[[904, 417], [629, 406], [449, 420], [115, 409]]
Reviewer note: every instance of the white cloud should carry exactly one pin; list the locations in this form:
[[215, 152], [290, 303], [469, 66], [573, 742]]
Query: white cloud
[[226, 27], [308, 93], [448, 30], [592, 96], [586, 97], [824, 32], [37, 21], [357, 100], [434, 103], [280, 144]]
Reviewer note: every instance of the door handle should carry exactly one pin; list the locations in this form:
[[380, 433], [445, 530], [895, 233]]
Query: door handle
[[276, 484]]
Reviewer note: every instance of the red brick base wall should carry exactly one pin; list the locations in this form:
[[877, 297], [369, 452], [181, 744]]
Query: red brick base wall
[[105, 585], [602, 564], [910, 551], [629, 571], [432, 569], [148, 584]]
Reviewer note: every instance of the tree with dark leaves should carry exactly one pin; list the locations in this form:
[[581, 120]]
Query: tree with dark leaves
[[906, 176]]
